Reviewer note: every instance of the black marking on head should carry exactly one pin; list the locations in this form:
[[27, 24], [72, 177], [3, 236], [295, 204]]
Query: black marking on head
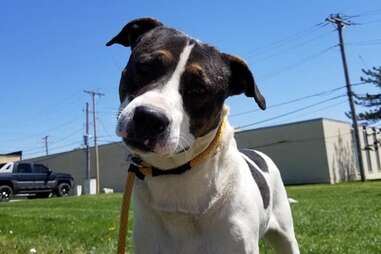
[[152, 62], [204, 88], [131, 32], [256, 158], [262, 184], [209, 77]]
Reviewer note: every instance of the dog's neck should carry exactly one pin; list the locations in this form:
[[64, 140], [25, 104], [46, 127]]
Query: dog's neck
[[176, 160]]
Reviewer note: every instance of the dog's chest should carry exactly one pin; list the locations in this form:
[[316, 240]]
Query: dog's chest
[[188, 234]]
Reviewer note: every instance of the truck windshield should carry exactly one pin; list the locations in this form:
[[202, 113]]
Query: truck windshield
[[4, 168]]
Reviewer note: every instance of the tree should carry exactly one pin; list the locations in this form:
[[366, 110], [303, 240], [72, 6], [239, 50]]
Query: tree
[[370, 101]]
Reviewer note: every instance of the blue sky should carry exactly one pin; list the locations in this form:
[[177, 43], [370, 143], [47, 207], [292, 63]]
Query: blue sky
[[51, 51]]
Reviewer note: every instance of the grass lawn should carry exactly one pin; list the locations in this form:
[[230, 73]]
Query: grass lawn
[[338, 219]]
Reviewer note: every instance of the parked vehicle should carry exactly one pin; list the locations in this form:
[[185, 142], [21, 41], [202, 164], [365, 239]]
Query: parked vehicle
[[33, 179]]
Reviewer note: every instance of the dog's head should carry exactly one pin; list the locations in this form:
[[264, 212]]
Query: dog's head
[[173, 88]]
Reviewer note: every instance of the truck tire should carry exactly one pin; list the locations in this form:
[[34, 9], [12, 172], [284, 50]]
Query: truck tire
[[6, 193], [63, 189]]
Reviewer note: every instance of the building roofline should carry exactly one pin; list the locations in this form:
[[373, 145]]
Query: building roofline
[[238, 131], [294, 123], [52, 155], [12, 153]]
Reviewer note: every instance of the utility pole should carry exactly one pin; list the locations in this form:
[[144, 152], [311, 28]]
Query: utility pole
[[86, 140], [93, 94], [339, 22], [46, 144]]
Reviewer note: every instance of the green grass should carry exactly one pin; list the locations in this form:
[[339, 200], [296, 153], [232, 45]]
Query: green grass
[[343, 218]]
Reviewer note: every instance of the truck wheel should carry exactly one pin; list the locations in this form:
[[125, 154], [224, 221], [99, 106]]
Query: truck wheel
[[6, 193], [63, 190]]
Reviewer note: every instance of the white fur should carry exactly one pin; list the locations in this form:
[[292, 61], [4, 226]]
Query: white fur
[[168, 99], [214, 208]]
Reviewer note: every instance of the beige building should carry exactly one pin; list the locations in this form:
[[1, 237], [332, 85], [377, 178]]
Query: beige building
[[9, 157], [314, 151]]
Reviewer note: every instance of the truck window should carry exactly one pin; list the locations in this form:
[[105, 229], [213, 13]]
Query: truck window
[[23, 168], [39, 168], [2, 168]]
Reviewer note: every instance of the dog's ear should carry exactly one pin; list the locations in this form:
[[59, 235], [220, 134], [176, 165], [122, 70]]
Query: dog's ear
[[241, 80], [133, 30]]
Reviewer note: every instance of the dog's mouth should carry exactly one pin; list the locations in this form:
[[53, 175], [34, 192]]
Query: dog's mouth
[[183, 150], [149, 146], [138, 145]]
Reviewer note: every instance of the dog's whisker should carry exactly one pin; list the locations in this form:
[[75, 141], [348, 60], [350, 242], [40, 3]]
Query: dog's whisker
[[184, 144]]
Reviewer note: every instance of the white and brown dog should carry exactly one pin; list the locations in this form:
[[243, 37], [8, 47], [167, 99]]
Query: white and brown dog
[[172, 94]]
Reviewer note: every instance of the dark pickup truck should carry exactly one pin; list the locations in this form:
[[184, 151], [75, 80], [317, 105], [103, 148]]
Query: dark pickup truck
[[33, 179]]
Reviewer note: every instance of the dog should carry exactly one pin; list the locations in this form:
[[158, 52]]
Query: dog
[[172, 95]]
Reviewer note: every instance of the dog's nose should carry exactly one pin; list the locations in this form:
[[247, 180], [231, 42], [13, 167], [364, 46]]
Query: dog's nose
[[149, 122]]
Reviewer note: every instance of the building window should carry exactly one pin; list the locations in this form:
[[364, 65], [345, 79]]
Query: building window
[[368, 149], [376, 148]]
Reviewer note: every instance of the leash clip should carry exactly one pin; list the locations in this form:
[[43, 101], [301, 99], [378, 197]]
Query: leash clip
[[134, 160], [136, 166]]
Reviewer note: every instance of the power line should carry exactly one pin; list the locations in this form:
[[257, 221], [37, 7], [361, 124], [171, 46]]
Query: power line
[[71, 134], [57, 106], [103, 125], [371, 22], [54, 155], [54, 148], [366, 13], [290, 112], [55, 142], [290, 101], [326, 92], [296, 36], [302, 61], [287, 49], [311, 112], [364, 44], [49, 130]]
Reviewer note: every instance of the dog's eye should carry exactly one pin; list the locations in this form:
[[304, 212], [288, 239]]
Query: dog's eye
[[151, 65], [195, 91], [194, 85], [145, 65]]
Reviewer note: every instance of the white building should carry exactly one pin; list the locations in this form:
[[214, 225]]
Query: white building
[[314, 151]]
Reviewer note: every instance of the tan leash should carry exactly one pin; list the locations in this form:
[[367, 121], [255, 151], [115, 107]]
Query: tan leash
[[124, 212], [146, 170]]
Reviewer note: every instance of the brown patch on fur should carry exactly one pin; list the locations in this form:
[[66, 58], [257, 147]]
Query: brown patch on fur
[[196, 69], [165, 56]]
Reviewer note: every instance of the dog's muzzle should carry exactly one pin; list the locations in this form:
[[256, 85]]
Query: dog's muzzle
[[147, 126]]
